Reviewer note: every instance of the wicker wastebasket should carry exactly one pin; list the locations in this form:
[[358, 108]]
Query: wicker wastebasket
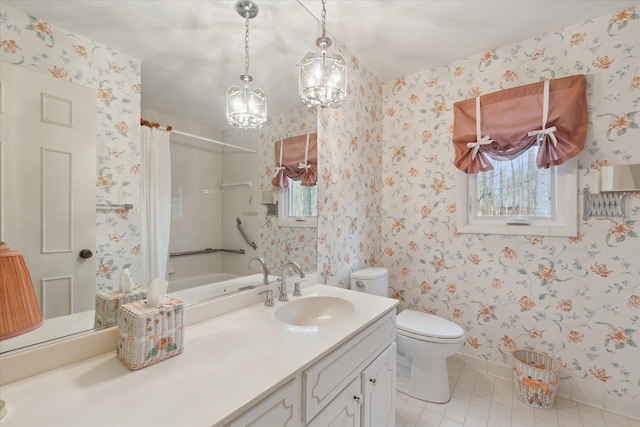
[[536, 378]]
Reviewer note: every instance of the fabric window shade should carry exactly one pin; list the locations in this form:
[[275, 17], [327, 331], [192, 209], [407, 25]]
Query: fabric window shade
[[290, 161], [511, 121]]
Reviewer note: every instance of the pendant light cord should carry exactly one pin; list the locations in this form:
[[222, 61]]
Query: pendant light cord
[[324, 17], [246, 45], [246, 106]]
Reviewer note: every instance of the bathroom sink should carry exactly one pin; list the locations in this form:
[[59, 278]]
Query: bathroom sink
[[314, 311]]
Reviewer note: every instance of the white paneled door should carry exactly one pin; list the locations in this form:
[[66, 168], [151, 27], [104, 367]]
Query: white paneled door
[[48, 187]]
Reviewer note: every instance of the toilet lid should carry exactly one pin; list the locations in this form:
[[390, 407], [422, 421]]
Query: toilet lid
[[370, 273], [428, 325]]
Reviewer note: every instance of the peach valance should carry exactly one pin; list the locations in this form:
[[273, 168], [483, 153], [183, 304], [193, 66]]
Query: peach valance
[[502, 125], [296, 158]]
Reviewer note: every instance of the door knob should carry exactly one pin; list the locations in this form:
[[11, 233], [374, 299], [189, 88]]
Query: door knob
[[85, 253]]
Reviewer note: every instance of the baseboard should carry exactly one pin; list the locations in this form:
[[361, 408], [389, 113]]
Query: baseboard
[[618, 405]]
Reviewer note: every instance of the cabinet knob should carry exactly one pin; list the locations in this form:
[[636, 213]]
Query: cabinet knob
[[357, 399], [373, 380], [85, 254]]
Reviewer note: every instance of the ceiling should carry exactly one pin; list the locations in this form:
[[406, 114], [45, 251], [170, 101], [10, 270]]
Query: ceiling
[[193, 51]]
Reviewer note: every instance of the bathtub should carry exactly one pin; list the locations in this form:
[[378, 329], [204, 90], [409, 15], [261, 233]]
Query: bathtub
[[192, 282], [215, 289]]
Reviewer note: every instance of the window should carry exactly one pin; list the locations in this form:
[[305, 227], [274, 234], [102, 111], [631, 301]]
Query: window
[[500, 141], [518, 198], [514, 188], [298, 205]]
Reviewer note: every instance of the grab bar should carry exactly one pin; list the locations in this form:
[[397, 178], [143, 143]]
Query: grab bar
[[244, 235], [127, 206], [207, 251]]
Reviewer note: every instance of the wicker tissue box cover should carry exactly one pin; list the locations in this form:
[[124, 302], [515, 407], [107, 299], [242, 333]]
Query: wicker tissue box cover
[[109, 302], [149, 335]]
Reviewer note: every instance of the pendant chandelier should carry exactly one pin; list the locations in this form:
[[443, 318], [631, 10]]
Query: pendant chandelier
[[323, 77], [246, 106]]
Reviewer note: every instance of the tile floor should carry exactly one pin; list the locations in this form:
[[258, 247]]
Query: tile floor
[[481, 400]]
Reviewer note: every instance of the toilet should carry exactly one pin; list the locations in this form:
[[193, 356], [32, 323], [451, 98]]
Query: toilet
[[423, 342]]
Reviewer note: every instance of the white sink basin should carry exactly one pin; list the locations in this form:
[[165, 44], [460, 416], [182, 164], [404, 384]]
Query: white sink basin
[[314, 311]]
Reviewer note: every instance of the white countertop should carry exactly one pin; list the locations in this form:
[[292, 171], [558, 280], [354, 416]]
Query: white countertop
[[229, 363], [52, 329]]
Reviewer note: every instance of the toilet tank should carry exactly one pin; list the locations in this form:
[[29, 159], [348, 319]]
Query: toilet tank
[[372, 280]]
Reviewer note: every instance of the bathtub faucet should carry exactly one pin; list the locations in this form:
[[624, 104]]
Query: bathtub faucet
[[265, 278], [283, 284]]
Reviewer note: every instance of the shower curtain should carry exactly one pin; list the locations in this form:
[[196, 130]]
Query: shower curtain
[[155, 183]]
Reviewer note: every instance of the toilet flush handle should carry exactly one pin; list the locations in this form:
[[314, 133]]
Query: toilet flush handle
[[360, 284]]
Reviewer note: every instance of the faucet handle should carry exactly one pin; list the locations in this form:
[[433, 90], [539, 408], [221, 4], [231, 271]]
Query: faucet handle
[[269, 302], [296, 289]]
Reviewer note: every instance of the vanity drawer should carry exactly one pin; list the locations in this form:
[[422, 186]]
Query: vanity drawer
[[327, 378]]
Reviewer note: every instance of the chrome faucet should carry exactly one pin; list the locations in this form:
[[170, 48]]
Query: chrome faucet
[[265, 278], [283, 284]]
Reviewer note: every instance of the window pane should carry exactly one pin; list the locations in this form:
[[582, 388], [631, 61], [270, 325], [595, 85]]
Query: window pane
[[303, 200], [514, 187]]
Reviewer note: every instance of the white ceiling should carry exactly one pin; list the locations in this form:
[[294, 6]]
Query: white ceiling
[[193, 51]]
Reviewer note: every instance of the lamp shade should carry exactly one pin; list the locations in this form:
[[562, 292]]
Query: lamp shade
[[323, 79], [246, 107], [19, 310]]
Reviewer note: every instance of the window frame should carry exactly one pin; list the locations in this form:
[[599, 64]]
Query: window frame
[[284, 219], [564, 198]]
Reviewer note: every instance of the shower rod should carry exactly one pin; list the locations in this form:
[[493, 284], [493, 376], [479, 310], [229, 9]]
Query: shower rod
[[202, 138]]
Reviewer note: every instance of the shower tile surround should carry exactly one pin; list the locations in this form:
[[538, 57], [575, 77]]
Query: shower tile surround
[[391, 142], [196, 191]]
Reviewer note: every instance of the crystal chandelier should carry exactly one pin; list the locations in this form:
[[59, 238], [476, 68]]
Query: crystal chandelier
[[246, 106], [323, 77]]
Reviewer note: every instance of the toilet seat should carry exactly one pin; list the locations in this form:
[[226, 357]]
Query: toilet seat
[[427, 327]]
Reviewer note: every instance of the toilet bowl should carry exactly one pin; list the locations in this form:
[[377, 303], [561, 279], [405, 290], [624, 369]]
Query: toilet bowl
[[423, 343]]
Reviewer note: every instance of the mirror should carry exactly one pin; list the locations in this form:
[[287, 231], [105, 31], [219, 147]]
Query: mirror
[[620, 178], [257, 225]]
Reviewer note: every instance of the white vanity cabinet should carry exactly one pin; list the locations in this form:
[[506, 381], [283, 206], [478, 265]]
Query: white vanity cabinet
[[344, 410], [368, 400], [328, 386], [379, 390], [280, 408], [354, 385]]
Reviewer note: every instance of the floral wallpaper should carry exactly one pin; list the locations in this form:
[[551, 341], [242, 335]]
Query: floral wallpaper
[[388, 192], [281, 244], [577, 299], [350, 179], [30, 42]]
